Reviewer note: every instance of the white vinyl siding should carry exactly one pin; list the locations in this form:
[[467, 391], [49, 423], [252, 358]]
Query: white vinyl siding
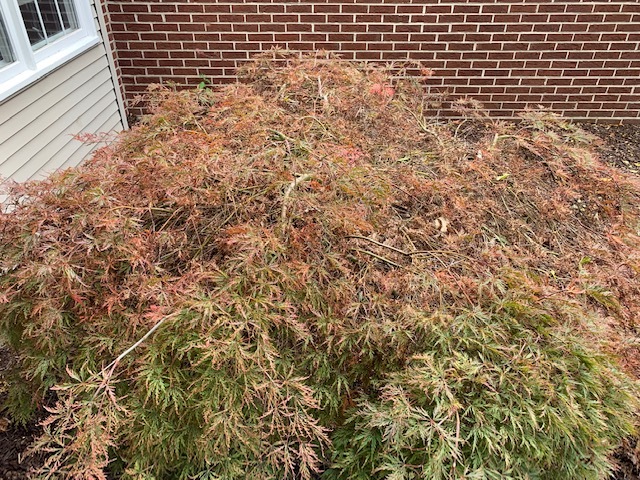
[[37, 124]]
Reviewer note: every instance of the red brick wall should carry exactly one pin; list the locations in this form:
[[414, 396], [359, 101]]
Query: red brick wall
[[109, 37], [581, 58]]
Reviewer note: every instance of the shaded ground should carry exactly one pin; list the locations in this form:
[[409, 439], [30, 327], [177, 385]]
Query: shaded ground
[[14, 439], [621, 144], [620, 147], [13, 442]]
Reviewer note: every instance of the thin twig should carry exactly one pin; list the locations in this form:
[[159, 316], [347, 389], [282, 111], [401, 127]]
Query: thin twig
[[288, 191], [379, 257], [459, 126], [402, 252], [410, 254], [442, 252], [109, 368]]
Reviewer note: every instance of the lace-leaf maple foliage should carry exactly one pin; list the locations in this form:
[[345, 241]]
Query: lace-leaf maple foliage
[[310, 274]]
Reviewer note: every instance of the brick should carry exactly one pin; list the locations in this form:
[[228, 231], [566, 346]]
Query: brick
[[620, 18], [537, 64], [410, 9], [145, 27], [526, 55], [591, 18], [628, 27], [466, 8], [285, 18], [272, 27], [451, 37], [234, 37], [623, 46], [326, 8], [447, 55], [368, 55], [492, 27], [449, 19], [602, 27], [302, 46], [531, 37], [614, 7], [435, 28], [341, 19], [246, 27], [353, 8], [461, 64], [411, 27], [383, 9], [509, 18], [396, 18], [315, 37], [438, 9], [149, 54], [614, 37], [192, 27], [537, 18], [547, 27], [475, 55], [123, 17], [422, 56], [297, 27], [287, 37], [465, 27], [216, 8], [493, 8], [368, 18], [552, 8], [134, 7], [191, 8], [394, 56], [581, 8], [298, 8]]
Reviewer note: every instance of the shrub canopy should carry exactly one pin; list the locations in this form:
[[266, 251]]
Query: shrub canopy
[[309, 274]]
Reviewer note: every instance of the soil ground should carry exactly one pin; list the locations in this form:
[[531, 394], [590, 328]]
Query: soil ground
[[621, 144], [620, 147], [14, 439]]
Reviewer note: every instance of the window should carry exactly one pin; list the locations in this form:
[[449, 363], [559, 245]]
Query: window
[[46, 20], [37, 36], [6, 55]]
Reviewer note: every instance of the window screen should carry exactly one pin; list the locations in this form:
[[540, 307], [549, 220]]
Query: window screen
[[47, 20], [6, 55]]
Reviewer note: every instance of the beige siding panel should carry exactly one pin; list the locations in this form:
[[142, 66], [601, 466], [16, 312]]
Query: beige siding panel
[[51, 123], [37, 125], [67, 155], [38, 152], [58, 101], [94, 11], [109, 125], [35, 92]]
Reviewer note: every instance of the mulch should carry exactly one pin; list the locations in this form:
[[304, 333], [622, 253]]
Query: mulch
[[13, 443], [14, 439], [620, 147]]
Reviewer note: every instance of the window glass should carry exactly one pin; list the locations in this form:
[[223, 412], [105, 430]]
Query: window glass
[[47, 20], [6, 54], [68, 15]]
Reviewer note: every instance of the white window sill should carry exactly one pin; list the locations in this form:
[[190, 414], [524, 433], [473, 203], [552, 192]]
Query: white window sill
[[27, 77]]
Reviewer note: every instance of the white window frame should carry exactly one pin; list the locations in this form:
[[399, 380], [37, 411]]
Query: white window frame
[[28, 65]]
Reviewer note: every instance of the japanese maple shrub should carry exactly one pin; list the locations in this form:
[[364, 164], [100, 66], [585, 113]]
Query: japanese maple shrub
[[307, 275]]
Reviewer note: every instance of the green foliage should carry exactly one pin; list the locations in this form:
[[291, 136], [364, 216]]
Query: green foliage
[[306, 275], [495, 394]]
